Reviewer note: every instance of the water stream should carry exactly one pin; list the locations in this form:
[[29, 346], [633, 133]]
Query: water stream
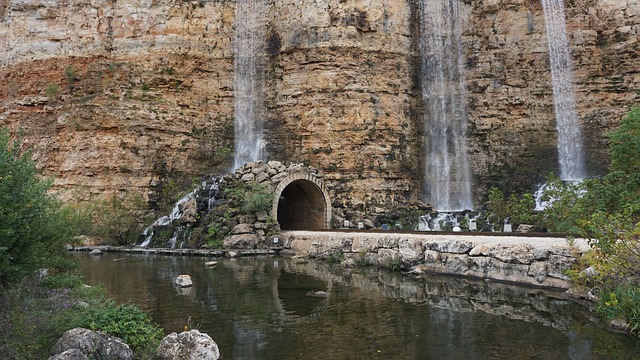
[[258, 308], [570, 148], [249, 80], [447, 178]]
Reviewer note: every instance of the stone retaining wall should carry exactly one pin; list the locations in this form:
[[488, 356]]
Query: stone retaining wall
[[531, 261]]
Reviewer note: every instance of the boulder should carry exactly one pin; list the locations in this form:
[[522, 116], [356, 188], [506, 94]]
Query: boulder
[[93, 344], [242, 229], [192, 345], [241, 241], [95, 252], [184, 281], [190, 211], [71, 354]]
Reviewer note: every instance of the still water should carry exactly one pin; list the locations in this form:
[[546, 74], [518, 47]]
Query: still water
[[259, 308]]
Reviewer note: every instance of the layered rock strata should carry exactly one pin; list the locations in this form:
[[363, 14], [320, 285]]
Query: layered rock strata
[[116, 96]]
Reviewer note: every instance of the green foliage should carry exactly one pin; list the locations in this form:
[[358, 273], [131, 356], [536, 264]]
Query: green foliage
[[250, 198], [608, 214], [624, 145], [36, 313], [119, 220], [258, 198], [52, 92], [568, 207], [33, 229], [127, 322], [335, 257], [621, 303], [70, 74], [520, 209], [216, 234]]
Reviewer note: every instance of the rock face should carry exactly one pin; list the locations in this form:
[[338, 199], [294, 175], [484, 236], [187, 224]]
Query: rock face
[[123, 95], [91, 344], [191, 345]]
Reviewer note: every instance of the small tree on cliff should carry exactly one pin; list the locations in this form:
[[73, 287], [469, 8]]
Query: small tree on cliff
[[33, 227]]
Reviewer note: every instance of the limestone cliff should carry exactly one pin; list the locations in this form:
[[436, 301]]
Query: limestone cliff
[[116, 95]]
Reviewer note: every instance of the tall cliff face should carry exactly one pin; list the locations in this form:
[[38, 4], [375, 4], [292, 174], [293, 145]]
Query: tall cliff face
[[118, 95]]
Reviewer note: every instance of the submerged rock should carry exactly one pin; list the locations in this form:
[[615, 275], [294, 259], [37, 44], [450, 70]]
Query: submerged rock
[[92, 344], [95, 252], [187, 345], [318, 294], [184, 281]]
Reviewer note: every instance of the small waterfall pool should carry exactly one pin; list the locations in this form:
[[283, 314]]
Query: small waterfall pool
[[259, 308]]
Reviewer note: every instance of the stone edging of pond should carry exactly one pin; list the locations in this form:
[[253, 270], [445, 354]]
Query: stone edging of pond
[[536, 261], [182, 252]]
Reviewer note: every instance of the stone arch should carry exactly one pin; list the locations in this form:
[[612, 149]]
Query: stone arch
[[301, 202]]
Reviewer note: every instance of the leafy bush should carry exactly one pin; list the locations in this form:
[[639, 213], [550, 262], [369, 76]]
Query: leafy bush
[[519, 209], [33, 227], [258, 198], [608, 214], [127, 322], [250, 198], [119, 220]]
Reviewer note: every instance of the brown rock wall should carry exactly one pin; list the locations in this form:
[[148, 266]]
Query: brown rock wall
[[152, 91]]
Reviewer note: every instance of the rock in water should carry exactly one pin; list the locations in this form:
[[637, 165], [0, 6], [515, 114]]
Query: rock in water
[[93, 344], [191, 344], [184, 281], [95, 252]]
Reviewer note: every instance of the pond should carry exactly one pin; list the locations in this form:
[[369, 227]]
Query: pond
[[261, 308]]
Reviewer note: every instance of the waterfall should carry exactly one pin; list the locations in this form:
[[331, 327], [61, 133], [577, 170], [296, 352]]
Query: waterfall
[[248, 80], [569, 134], [448, 178]]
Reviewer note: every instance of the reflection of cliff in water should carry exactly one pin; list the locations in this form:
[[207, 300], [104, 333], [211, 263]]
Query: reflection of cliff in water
[[453, 293], [257, 308]]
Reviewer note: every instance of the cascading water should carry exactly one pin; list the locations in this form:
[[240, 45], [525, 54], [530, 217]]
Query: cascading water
[[570, 151], [205, 193], [448, 178], [248, 80]]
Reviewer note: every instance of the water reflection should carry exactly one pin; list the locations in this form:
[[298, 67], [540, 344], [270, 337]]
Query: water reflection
[[259, 309]]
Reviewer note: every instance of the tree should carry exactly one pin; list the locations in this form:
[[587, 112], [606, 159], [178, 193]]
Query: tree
[[33, 227]]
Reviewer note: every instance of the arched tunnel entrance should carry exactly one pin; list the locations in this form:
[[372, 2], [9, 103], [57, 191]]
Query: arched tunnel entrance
[[302, 203]]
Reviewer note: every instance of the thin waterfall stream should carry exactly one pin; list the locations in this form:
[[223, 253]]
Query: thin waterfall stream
[[249, 80], [570, 148], [447, 178]]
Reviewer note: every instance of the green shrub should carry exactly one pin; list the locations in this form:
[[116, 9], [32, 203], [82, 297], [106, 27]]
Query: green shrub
[[33, 229], [52, 92], [258, 198], [519, 209], [608, 214], [34, 315], [127, 322], [120, 220]]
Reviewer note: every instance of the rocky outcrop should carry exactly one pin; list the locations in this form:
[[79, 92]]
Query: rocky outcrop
[[121, 96], [192, 345], [79, 342], [539, 262]]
